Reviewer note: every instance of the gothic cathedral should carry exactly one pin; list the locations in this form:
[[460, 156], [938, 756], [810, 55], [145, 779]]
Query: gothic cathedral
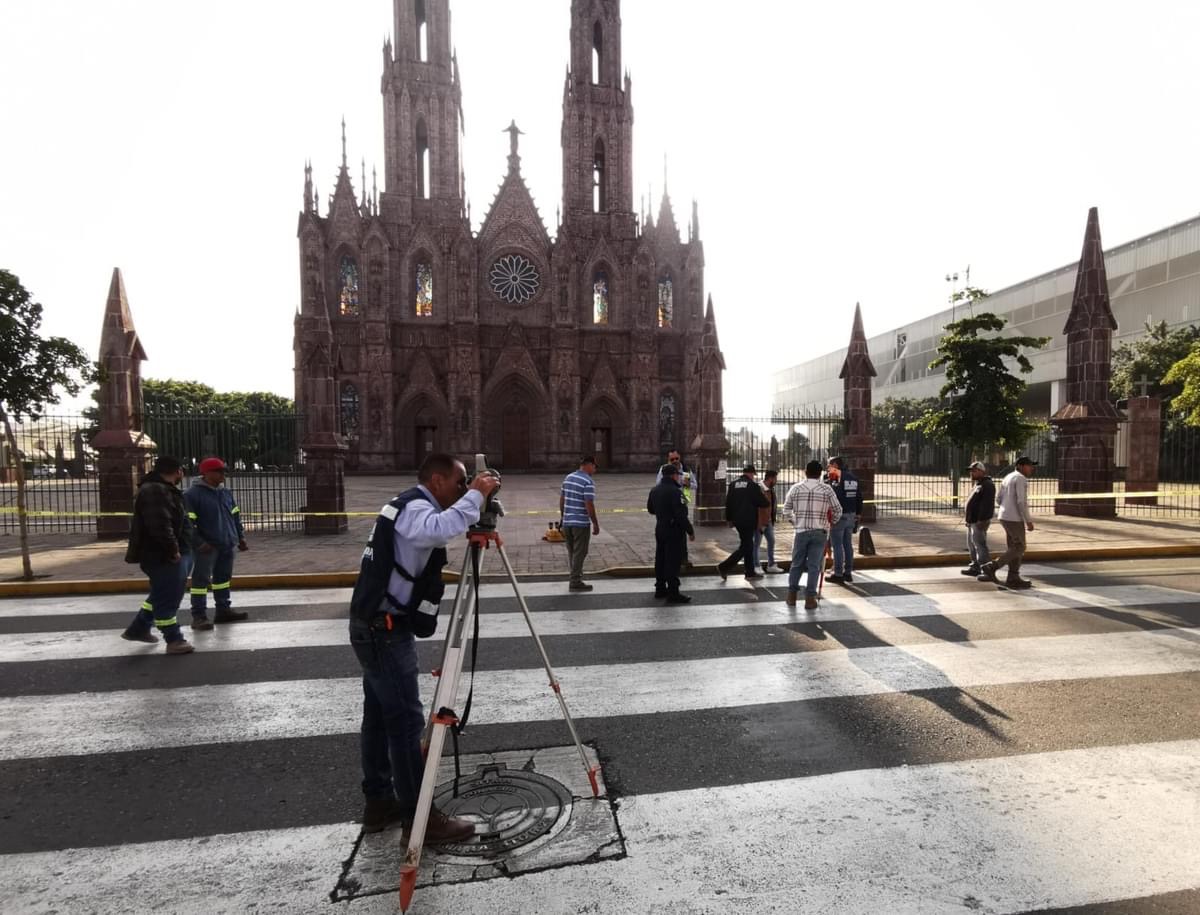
[[417, 335]]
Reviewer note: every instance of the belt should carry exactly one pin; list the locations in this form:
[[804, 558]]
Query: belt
[[386, 622]]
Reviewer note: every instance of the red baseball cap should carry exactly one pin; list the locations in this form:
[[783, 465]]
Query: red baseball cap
[[210, 464]]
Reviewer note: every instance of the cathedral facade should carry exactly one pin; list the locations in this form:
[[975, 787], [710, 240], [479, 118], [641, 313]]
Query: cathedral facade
[[416, 334]]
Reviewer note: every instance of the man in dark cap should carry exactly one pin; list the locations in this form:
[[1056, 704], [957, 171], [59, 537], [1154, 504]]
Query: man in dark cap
[[742, 502], [666, 503]]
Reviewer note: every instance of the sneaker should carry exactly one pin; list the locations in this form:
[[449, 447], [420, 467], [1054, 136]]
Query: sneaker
[[790, 600], [228, 615], [987, 572], [579, 586], [810, 602], [848, 579], [970, 570], [382, 812], [201, 623], [148, 637], [773, 570], [755, 576], [1018, 583], [442, 829], [180, 646], [678, 598], [835, 579]]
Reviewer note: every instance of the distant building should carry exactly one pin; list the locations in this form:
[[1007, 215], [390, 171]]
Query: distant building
[[421, 335], [1155, 278]]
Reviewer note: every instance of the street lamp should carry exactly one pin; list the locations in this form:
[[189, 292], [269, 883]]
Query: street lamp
[[952, 279]]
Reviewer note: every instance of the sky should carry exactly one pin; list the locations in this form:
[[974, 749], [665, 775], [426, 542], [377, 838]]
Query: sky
[[839, 152]]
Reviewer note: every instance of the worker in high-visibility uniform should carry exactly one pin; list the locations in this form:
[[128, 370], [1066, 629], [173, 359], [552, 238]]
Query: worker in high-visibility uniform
[[218, 532]]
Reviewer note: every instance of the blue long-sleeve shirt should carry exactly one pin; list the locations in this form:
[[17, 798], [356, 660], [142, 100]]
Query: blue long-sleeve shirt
[[214, 514]]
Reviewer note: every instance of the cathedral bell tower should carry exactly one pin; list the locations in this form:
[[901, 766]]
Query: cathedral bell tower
[[597, 126], [422, 114]]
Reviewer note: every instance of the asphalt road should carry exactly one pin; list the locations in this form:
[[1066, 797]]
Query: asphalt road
[[921, 743]]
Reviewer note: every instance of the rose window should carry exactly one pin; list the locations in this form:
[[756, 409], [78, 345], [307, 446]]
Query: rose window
[[514, 279]]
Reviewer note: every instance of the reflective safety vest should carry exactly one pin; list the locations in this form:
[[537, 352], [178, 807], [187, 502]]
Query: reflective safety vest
[[371, 595]]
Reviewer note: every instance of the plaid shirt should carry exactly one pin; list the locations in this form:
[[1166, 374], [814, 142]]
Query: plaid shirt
[[809, 505]]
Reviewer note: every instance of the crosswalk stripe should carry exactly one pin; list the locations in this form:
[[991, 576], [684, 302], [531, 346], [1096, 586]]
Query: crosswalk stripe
[[76, 645], [32, 726], [994, 835]]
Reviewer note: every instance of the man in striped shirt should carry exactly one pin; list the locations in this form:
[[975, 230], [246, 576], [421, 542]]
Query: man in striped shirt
[[577, 506], [812, 507]]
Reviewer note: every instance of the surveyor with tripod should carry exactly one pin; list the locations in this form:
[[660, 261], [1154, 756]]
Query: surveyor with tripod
[[396, 599]]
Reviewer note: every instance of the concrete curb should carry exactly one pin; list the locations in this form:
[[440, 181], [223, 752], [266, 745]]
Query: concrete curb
[[346, 579]]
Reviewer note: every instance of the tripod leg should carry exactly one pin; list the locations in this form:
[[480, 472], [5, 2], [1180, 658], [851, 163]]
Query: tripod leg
[[554, 685], [462, 599], [444, 698]]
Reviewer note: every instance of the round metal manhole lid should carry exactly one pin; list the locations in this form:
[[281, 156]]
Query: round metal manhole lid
[[511, 808]]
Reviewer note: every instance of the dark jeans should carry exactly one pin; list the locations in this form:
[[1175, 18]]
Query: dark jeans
[[745, 550], [842, 540], [213, 568], [393, 717], [161, 606], [668, 557]]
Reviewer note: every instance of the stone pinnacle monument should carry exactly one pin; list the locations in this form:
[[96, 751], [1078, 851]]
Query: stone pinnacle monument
[[858, 445], [1087, 422]]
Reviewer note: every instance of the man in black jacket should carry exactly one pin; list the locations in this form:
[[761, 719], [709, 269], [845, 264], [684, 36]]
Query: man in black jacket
[[742, 502], [981, 506], [667, 505], [159, 539]]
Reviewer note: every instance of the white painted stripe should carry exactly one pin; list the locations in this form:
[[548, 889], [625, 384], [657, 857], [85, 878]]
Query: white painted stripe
[[1010, 834], [106, 643], [129, 603], [31, 726]]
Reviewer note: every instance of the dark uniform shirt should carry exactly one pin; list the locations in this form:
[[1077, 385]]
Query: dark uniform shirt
[[670, 511]]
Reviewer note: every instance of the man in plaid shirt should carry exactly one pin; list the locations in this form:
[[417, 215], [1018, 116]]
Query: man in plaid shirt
[[812, 507]]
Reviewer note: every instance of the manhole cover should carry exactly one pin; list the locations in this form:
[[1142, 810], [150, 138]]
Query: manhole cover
[[509, 807]]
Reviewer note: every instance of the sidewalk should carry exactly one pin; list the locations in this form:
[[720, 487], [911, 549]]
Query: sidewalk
[[625, 544]]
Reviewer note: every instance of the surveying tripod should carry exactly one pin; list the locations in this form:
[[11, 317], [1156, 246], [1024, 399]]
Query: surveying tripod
[[463, 617]]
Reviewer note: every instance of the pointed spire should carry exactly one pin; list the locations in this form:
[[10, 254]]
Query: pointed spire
[[666, 217], [695, 220], [858, 357], [344, 141], [308, 187], [514, 157], [1090, 305], [119, 337], [365, 199], [374, 192]]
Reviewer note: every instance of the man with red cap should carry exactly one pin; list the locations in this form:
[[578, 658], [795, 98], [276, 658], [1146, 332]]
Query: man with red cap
[[218, 531]]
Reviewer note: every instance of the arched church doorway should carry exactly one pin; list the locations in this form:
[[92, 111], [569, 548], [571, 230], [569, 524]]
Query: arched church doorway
[[514, 441], [602, 444]]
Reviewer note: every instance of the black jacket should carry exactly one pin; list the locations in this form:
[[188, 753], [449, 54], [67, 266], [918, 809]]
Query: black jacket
[[742, 502], [981, 504], [849, 492], [666, 504], [160, 529]]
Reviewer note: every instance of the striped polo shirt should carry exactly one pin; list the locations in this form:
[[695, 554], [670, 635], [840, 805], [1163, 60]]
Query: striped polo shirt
[[577, 490]]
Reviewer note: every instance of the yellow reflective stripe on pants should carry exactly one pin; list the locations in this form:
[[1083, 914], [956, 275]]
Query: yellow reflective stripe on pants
[[223, 586], [192, 516], [236, 511], [199, 592], [146, 605], [163, 624]]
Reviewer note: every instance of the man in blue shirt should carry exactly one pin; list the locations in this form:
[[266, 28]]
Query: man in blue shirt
[[577, 506]]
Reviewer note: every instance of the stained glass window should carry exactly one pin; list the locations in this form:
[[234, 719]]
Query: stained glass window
[[600, 298], [424, 290], [349, 406], [666, 302], [666, 422], [348, 297]]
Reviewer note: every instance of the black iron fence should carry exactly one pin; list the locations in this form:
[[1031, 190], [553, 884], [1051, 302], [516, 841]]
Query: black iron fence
[[266, 466], [917, 475]]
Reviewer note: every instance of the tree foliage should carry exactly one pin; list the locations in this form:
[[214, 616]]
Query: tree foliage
[[890, 419], [1185, 375], [34, 370], [194, 397], [979, 401], [1152, 356]]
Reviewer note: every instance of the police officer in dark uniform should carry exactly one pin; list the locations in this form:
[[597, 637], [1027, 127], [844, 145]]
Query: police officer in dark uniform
[[667, 505], [742, 502]]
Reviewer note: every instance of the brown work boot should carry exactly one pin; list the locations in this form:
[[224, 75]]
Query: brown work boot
[[442, 829], [381, 812], [791, 598], [180, 646], [810, 602]]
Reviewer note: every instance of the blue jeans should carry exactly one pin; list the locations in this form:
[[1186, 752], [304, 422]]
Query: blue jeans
[[393, 717], [842, 536], [768, 533], [213, 568], [808, 552], [161, 606]]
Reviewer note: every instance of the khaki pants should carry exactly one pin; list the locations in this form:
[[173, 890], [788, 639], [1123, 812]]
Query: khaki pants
[[1011, 557], [577, 539]]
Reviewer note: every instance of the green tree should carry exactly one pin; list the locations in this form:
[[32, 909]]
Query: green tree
[[1152, 357], [1185, 375], [979, 401], [891, 418], [33, 371]]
